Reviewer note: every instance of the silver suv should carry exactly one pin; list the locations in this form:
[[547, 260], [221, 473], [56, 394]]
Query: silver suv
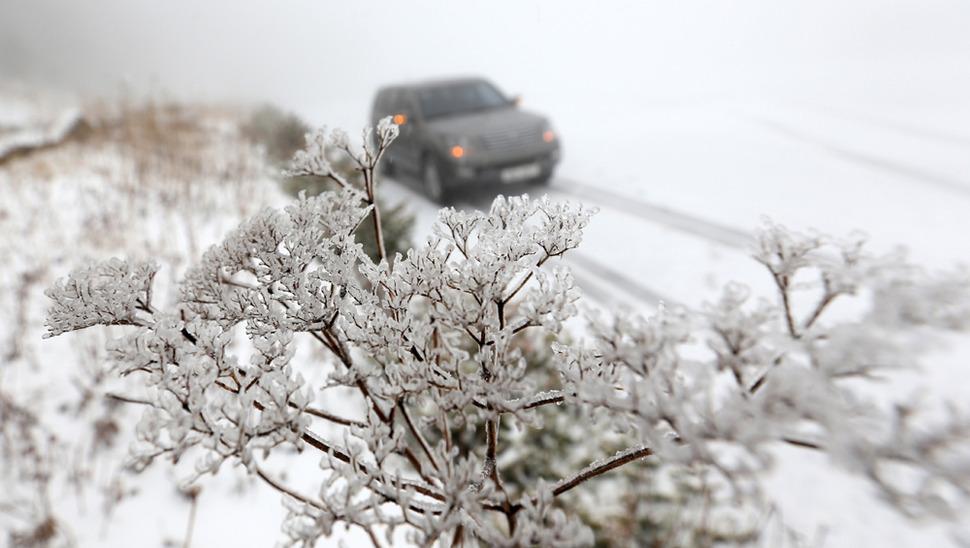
[[458, 133]]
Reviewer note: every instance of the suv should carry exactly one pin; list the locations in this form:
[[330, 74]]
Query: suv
[[459, 133]]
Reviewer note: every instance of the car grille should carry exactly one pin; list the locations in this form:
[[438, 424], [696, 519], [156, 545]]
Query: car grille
[[512, 138]]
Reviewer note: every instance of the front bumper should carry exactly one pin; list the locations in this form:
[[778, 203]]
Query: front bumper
[[522, 169]]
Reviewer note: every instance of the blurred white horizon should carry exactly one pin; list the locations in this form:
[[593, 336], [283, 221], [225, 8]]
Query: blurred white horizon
[[325, 59]]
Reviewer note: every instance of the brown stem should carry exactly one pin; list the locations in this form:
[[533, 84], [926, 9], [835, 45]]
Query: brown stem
[[458, 539], [331, 417], [801, 443], [369, 183], [376, 214], [126, 399], [331, 342], [518, 288], [321, 445], [630, 455], [826, 299], [528, 277], [761, 380], [491, 435], [193, 494], [417, 434], [373, 537], [782, 284], [289, 492], [547, 399]]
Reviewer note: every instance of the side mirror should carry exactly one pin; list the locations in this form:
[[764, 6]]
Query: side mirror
[[517, 100]]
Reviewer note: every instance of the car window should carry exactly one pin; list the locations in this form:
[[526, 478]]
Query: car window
[[451, 99]]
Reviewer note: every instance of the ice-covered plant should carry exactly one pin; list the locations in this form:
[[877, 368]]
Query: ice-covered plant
[[425, 346]]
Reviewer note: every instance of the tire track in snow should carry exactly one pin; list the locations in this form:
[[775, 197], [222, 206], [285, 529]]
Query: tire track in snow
[[696, 226], [875, 162], [609, 285], [903, 128], [588, 272], [602, 283]]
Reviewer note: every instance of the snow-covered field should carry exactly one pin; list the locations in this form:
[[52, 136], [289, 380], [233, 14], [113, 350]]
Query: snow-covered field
[[87, 199]]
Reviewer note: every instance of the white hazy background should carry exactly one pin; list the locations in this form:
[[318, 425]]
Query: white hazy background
[[325, 59]]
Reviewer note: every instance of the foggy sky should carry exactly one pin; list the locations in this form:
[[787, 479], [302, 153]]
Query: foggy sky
[[311, 55]]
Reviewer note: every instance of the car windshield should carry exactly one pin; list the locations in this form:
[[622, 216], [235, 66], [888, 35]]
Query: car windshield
[[447, 100]]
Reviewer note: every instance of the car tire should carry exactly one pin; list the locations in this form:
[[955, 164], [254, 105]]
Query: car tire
[[434, 187]]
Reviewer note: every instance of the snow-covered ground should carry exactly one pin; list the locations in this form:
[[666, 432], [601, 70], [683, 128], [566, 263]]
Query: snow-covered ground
[[65, 204], [712, 171], [903, 184], [29, 119]]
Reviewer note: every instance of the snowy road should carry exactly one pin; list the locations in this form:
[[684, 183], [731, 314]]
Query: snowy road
[[909, 167], [683, 192], [903, 180]]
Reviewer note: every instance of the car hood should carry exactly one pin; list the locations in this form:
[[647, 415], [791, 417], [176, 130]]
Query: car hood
[[478, 123]]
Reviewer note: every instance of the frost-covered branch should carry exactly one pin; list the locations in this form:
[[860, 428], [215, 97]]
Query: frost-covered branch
[[437, 349], [314, 161], [109, 293], [601, 467]]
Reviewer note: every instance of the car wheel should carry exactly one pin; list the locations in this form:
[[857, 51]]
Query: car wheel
[[434, 188]]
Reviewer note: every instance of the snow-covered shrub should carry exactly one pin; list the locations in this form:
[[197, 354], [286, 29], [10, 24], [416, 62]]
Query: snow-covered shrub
[[427, 347], [280, 133]]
